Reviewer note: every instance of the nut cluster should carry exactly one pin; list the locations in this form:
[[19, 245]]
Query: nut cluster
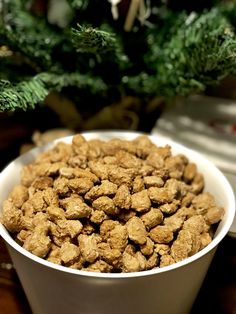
[[111, 206]]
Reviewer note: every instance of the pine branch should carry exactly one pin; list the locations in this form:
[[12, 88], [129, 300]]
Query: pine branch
[[200, 53], [28, 34], [104, 44], [27, 94]]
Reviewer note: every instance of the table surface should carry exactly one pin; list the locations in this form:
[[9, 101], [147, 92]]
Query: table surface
[[217, 295]]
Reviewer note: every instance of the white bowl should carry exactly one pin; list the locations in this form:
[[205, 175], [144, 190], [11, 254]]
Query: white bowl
[[52, 288]]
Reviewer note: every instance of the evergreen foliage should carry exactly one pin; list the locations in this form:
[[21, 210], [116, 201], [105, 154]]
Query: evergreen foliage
[[176, 52]]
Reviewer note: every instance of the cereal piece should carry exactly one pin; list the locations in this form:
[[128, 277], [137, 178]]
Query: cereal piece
[[75, 208], [175, 165], [78, 161], [19, 195], [110, 160], [38, 242], [12, 217], [203, 202], [99, 266], [131, 249], [187, 199], [130, 263], [177, 188], [145, 170], [186, 244], [174, 222], [136, 230], [80, 185], [27, 209], [143, 146], [38, 202], [214, 214], [161, 234], [69, 228], [119, 176], [28, 222], [98, 216], [69, 253], [155, 160], [160, 195], [99, 169], [164, 151], [42, 183], [88, 228], [88, 247], [190, 172], [142, 260], [152, 218], [40, 218], [95, 149], [80, 147], [109, 255], [138, 184], [61, 152], [67, 172], [162, 249], [122, 199], [60, 240], [78, 140], [23, 235], [153, 181], [114, 145], [166, 260], [54, 255], [106, 204], [54, 169], [170, 208], [74, 227], [50, 197], [205, 239], [78, 264], [127, 160], [70, 173], [140, 201], [106, 227], [61, 186], [148, 247], [186, 212], [152, 261], [196, 224], [118, 238], [162, 173], [125, 215], [27, 175], [106, 188], [85, 173], [55, 213], [197, 184]]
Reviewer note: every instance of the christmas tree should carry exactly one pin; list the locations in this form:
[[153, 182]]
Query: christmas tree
[[99, 52]]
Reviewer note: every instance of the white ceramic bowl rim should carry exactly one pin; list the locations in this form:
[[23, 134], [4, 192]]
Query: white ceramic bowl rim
[[127, 135]]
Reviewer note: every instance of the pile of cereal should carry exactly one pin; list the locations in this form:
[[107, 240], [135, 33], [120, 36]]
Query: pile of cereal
[[111, 206]]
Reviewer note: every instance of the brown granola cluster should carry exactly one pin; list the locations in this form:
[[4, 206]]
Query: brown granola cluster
[[111, 206]]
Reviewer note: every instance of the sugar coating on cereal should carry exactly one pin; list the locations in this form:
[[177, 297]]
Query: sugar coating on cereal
[[111, 206]]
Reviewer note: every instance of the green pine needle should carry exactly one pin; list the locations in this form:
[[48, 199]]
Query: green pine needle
[[92, 40], [27, 94], [200, 53], [28, 34]]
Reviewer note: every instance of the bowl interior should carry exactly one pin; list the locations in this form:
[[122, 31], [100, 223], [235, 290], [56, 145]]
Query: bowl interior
[[215, 183]]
